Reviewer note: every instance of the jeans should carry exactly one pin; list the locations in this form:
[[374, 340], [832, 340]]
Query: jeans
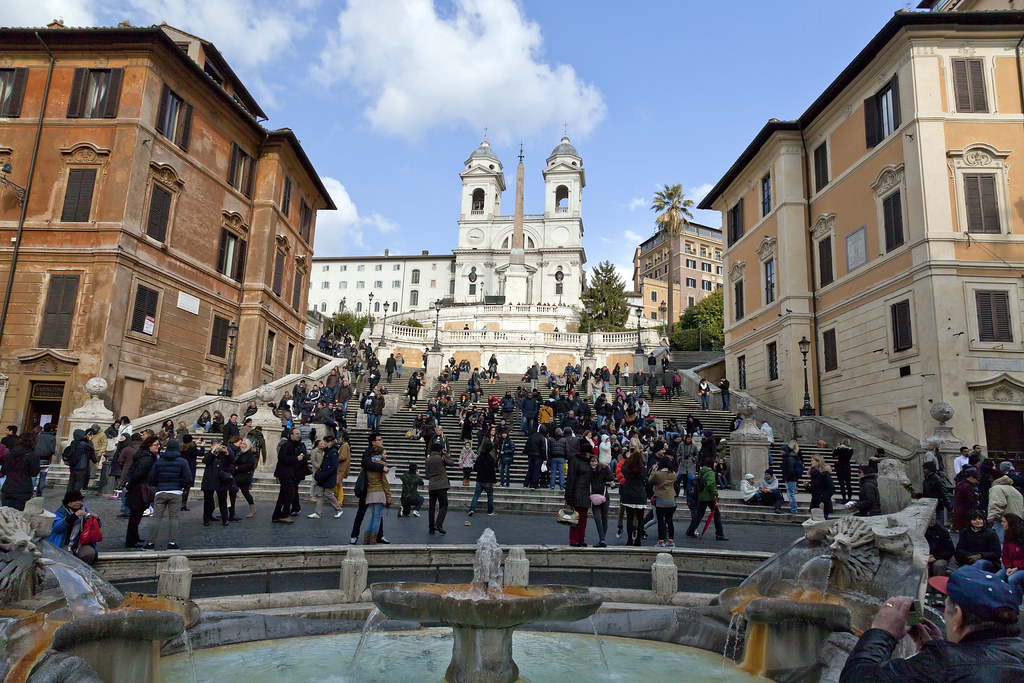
[[601, 520], [666, 528], [41, 481], [358, 521], [168, 502], [558, 472], [373, 422], [489, 490], [376, 515], [408, 507], [791, 494], [505, 471], [702, 507], [725, 401], [845, 485], [533, 472], [440, 499], [705, 401], [1000, 531], [1016, 580]]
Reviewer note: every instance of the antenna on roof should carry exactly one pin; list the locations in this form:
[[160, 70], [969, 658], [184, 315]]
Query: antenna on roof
[[520, 152], [485, 132]]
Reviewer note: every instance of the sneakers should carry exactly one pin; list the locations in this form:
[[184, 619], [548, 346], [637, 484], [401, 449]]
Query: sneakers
[[150, 546], [383, 541], [173, 546], [721, 538], [491, 514], [470, 513], [415, 513], [314, 515], [601, 544], [353, 540], [339, 513], [661, 544], [618, 534]]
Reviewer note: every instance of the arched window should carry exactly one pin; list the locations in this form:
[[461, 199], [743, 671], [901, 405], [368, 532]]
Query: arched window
[[451, 287], [504, 245], [478, 201], [416, 277], [323, 306], [376, 307], [414, 298], [394, 307], [341, 306], [530, 244], [359, 307], [562, 199]]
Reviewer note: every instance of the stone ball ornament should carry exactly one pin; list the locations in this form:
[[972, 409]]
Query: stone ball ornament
[[265, 393], [942, 412], [97, 386], [745, 407]]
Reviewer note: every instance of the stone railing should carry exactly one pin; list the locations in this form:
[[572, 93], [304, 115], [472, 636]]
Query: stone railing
[[568, 340]]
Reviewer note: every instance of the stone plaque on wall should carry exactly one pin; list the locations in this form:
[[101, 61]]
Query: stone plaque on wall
[[999, 364], [187, 302], [856, 249]]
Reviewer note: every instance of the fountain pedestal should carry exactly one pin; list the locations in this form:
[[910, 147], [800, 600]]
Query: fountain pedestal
[[482, 655]]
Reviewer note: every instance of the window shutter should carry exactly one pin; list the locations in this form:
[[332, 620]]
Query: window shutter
[[278, 273], [976, 73], [67, 214], [989, 208], [901, 328], [820, 166], [961, 86], [76, 96], [1001, 316], [159, 213], [239, 273], [872, 121], [986, 324], [831, 353], [145, 305], [59, 312], [13, 107], [286, 199], [738, 289], [297, 292], [894, 85], [825, 262], [249, 178], [972, 200], [219, 337], [892, 210], [78, 196], [161, 112], [233, 165], [739, 218], [186, 127], [113, 94], [222, 253]]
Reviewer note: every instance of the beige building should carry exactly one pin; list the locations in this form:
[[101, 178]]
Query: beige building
[[884, 226], [698, 269]]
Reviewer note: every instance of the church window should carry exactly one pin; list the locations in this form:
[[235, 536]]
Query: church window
[[530, 244], [359, 307], [472, 290], [433, 283], [414, 298], [478, 201], [451, 267], [562, 199], [558, 288], [416, 277], [504, 245], [451, 288]]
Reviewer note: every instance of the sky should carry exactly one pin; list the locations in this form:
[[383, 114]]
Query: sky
[[389, 97]]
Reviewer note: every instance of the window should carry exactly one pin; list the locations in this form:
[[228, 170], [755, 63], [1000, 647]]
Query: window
[[654, 295], [820, 166], [472, 290], [378, 267], [94, 93], [478, 201], [892, 211], [361, 285], [396, 283], [288, 359], [718, 270], [825, 274], [772, 352], [451, 287], [78, 196], [306, 222], [278, 283], [902, 339], [734, 222], [882, 113], [12, 91], [376, 307], [741, 372], [828, 341], [738, 292], [174, 118], [342, 285], [377, 284], [706, 267], [396, 267], [231, 256], [705, 285], [323, 306], [325, 269], [159, 213], [433, 266], [268, 355], [433, 283], [343, 268], [219, 337], [144, 312], [769, 281], [451, 267], [414, 298], [559, 289], [59, 312], [297, 292], [766, 195], [689, 301], [241, 170], [969, 85], [982, 205], [993, 316], [359, 307], [286, 199], [360, 268], [691, 282], [325, 285]]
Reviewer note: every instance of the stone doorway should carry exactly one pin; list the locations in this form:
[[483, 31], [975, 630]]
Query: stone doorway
[[44, 403]]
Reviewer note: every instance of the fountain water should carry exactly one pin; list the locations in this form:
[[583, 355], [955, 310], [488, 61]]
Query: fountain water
[[600, 645], [373, 621], [82, 597]]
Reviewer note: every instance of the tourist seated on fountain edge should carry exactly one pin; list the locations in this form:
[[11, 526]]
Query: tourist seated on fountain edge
[[69, 531], [982, 642]]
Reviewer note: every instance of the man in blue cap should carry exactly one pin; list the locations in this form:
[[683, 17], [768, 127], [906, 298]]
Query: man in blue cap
[[982, 642]]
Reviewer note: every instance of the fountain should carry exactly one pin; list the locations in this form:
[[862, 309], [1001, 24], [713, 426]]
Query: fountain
[[483, 614]]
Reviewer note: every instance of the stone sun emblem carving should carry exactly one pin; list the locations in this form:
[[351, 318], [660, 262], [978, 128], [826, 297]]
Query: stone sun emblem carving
[[852, 546]]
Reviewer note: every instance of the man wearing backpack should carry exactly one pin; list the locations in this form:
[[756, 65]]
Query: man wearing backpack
[[792, 470], [77, 455], [707, 498]]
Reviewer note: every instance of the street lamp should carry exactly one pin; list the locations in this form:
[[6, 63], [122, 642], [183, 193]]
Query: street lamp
[[639, 346], [436, 348], [225, 389], [590, 315], [805, 347], [483, 297], [383, 326]]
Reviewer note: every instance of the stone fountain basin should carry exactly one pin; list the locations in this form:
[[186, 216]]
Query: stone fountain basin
[[463, 605]]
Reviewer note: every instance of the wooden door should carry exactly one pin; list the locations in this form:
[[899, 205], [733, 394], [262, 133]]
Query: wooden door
[[1004, 433]]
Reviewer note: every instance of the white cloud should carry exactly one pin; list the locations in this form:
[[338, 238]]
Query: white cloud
[[634, 238], [337, 232], [626, 273], [41, 12], [478, 62], [637, 203], [699, 192]]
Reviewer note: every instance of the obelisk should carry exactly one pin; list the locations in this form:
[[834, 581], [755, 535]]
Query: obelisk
[[516, 275]]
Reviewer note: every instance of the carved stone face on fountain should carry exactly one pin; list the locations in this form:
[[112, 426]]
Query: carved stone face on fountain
[[852, 546]]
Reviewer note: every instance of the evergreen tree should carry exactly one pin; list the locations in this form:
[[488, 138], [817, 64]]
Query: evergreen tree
[[606, 298], [709, 312]]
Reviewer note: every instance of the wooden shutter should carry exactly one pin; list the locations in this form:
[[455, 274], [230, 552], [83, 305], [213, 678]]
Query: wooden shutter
[[59, 312], [902, 336], [286, 198], [186, 126], [239, 271], [894, 86], [738, 289], [820, 166], [825, 262], [161, 112], [981, 203], [297, 292], [278, 273], [223, 266], [76, 98], [78, 196], [976, 72], [872, 121], [159, 213], [249, 177], [993, 316], [831, 353], [219, 337], [969, 85], [892, 210], [961, 86], [113, 95], [145, 305], [233, 166], [12, 108]]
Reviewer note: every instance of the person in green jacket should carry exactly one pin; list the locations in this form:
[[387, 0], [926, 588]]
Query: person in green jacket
[[707, 498], [411, 498]]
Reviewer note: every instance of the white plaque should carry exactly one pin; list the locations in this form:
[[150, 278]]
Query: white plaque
[[187, 302], [149, 325], [856, 249]]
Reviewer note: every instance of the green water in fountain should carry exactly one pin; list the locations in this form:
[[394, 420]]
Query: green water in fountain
[[423, 655]]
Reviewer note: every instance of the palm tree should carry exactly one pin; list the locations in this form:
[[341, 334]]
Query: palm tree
[[673, 216]]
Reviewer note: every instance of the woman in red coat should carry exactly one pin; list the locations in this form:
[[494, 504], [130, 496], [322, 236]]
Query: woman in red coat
[[965, 498]]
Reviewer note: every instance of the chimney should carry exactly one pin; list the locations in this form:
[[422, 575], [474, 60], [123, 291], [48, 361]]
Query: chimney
[[426, 252], [385, 252]]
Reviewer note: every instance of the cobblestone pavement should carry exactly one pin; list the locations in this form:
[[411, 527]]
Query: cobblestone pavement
[[510, 528]]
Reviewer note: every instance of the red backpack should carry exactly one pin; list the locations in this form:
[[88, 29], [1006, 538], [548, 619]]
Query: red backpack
[[91, 532]]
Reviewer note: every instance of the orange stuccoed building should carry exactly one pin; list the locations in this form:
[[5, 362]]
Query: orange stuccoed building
[[164, 231]]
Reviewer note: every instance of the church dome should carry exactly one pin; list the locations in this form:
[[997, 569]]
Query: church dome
[[484, 151], [564, 148]]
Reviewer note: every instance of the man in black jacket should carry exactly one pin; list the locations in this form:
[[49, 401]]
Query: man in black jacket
[[933, 486], [940, 549], [536, 451], [982, 642], [869, 503], [230, 428]]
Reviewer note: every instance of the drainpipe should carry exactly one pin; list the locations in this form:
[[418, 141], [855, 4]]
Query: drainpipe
[[1020, 75], [814, 276], [252, 213], [28, 189]]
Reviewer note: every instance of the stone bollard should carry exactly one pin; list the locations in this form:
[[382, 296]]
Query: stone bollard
[[517, 568], [354, 569], [175, 578], [664, 577]]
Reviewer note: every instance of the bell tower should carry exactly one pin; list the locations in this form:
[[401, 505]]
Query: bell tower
[[564, 181], [482, 184]]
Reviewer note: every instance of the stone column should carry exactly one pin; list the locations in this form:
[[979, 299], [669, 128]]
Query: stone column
[[949, 444], [517, 568], [354, 569], [93, 411], [175, 578], [664, 577], [268, 423], [433, 361], [748, 446]]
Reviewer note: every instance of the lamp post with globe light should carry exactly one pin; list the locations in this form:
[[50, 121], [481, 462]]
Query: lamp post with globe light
[[436, 348], [639, 346], [805, 347]]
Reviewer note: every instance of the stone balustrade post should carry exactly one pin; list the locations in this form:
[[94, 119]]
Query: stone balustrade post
[[517, 568], [748, 446], [354, 570], [664, 577], [175, 578]]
